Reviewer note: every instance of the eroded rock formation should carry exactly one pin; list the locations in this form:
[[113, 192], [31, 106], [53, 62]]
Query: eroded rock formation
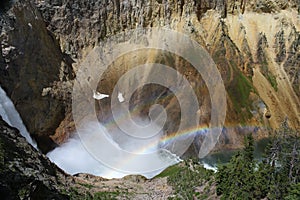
[[32, 60], [26, 173], [255, 45]]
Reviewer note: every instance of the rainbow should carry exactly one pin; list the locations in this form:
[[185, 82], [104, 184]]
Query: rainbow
[[145, 149], [192, 132], [166, 139]]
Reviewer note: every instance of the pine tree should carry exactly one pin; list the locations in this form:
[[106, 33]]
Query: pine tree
[[235, 180], [282, 161], [276, 177]]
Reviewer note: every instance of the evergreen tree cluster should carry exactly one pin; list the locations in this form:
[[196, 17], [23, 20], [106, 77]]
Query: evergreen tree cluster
[[277, 176], [186, 178]]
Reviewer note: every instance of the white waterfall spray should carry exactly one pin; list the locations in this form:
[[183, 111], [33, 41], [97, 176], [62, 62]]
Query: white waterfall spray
[[74, 157], [12, 117]]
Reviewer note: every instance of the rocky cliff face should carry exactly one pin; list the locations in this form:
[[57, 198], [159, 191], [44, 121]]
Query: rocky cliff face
[[31, 61], [26, 173], [255, 45]]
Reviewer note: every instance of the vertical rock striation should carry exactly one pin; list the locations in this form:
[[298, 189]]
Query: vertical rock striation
[[255, 44], [30, 61]]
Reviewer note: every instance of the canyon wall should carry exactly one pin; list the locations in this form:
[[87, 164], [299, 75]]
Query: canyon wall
[[255, 44], [32, 60]]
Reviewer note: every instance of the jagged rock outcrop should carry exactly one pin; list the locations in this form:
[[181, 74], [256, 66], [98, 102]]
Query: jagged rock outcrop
[[24, 172], [292, 62], [81, 24], [32, 60], [259, 62]]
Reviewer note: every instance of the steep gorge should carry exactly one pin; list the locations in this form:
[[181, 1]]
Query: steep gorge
[[255, 44]]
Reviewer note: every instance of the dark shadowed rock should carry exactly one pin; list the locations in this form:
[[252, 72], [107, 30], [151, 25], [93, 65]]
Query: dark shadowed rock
[[26, 173], [30, 61]]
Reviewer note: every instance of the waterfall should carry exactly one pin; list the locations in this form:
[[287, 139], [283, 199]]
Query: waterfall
[[86, 162], [12, 117]]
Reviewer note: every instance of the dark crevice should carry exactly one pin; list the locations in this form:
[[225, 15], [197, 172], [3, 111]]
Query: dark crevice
[[5, 5]]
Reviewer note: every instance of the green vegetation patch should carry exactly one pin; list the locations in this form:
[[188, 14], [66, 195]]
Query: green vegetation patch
[[89, 186], [239, 91], [269, 76], [186, 177], [277, 176], [75, 194], [106, 195], [169, 171]]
